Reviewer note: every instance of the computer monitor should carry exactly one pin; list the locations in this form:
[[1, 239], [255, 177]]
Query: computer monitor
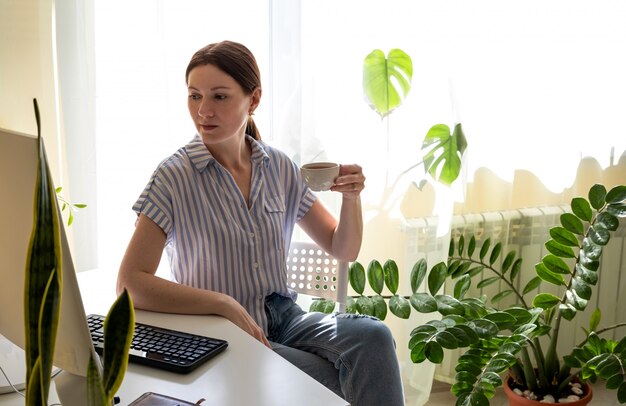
[[18, 163]]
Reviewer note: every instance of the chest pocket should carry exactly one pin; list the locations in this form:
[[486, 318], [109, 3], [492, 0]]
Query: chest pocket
[[274, 214]]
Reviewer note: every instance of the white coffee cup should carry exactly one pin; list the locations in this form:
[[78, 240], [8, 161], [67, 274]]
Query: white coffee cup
[[320, 176]]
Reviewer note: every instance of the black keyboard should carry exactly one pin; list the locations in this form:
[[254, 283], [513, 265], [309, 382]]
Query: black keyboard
[[162, 348]]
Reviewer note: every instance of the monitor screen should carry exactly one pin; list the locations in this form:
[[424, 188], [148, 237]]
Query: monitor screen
[[18, 163]]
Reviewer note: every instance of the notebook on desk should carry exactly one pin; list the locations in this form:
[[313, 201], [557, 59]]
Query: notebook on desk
[[162, 348]]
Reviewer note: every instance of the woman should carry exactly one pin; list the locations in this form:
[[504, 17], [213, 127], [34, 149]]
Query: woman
[[224, 207]]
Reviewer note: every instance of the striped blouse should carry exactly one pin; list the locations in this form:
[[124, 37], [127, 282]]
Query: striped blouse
[[214, 241]]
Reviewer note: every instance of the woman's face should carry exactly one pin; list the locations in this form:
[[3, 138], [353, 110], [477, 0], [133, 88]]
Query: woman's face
[[218, 105]]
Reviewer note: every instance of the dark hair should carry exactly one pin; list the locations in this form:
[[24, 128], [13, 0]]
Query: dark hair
[[237, 61]]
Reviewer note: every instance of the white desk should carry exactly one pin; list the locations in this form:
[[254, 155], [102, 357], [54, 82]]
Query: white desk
[[246, 373]]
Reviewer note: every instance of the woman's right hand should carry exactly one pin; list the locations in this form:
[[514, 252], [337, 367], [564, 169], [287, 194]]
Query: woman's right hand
[[236, 313]]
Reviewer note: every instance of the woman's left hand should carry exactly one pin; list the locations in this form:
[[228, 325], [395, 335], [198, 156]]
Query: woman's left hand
[[350, 181]]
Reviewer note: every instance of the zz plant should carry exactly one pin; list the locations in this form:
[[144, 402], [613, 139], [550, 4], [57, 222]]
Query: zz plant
[[42, 303], [520, 339]]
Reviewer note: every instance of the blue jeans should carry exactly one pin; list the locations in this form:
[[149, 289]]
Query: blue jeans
[[352, 355]]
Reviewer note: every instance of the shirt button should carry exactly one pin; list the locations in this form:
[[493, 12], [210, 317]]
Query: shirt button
[[255, 265], [251, 235]]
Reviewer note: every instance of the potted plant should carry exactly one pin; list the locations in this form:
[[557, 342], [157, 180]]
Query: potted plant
[[43, 295], [515, 346]]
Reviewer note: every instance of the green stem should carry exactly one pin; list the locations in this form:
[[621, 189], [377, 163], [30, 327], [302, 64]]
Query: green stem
[[529, 373], [499, 274], [604, 330]]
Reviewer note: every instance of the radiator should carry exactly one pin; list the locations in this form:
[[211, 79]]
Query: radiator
[[526, 231]]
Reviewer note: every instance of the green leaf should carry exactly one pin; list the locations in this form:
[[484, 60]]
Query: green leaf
[[376, 276], [118, 332], [597, 196], [495, 253], [502, 319], [559, 249], [392, 276], [472, 399], [96, 394], [437, 277], [616, 195], [487, 282], [485, 329], [563, 236], [609, 221], [545, 300], [447, 305], [387, 81], [599, 234], [351, 307], [615, 381], [423, 302], [508, 261], [434, 352], [356, 275], [621, 393], [380, 307], [461, 245], [365, 305], [572, 223], [443, 160], [582, 288], [581, 208], [549, 276], [400, 307], [591, 250], [418, 353], [447, 340], [591, 277], [43, 280], [575, 300], [555, 264], [461, 287], [500, 295], [618, 210], [532, 285], [418, 273], [595, 318], [515, 269], [485, 248], [568, 312], [471, 246]]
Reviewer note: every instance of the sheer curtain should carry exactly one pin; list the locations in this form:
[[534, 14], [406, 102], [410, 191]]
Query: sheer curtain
[[537, 86]]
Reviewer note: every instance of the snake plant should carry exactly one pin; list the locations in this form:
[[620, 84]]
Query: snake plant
[[42, 303]]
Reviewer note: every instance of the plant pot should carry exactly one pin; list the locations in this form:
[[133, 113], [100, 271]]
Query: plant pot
[[516, 400]]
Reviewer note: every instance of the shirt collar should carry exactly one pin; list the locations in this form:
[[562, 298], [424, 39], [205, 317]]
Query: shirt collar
[[201, 157]]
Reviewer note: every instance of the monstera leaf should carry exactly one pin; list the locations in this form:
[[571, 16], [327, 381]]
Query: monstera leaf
[[387, 81], [442, 159]]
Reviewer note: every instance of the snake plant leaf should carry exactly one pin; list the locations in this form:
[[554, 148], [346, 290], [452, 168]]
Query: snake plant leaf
[[96, 395], [43, 278], [118, 333], [442, 159], [386, 81]]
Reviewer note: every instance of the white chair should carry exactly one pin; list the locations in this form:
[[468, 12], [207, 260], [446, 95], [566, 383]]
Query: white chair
[[312, 271]]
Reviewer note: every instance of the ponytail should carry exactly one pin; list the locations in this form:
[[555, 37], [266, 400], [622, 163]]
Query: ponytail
[[252, 129]]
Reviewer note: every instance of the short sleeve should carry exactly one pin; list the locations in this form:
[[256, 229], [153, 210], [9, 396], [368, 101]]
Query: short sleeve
[[155, 202]]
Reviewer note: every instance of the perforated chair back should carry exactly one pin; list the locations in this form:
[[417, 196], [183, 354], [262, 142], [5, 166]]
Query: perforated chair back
[[312, 271]]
